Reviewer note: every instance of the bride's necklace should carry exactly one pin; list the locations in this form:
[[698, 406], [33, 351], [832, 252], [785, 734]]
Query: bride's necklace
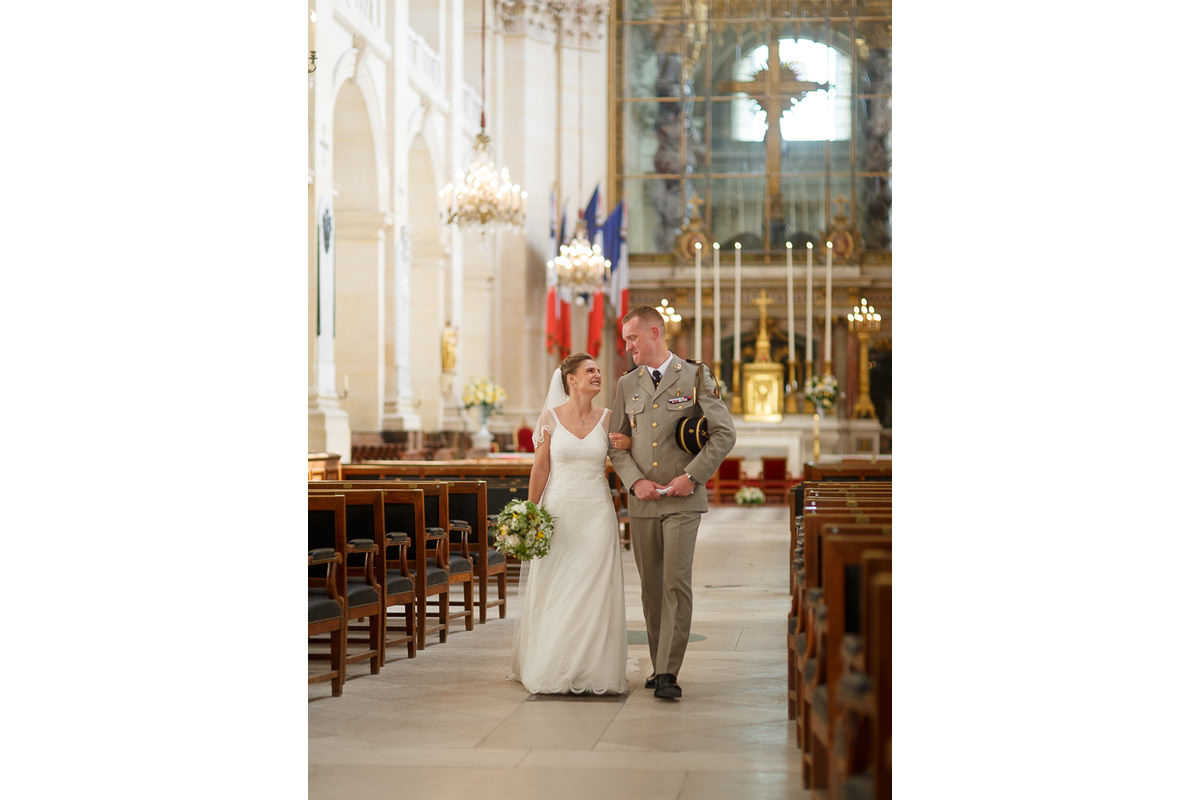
[[573, 420]]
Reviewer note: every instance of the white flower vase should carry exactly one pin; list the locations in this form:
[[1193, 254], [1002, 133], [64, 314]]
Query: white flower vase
[[482, 438]]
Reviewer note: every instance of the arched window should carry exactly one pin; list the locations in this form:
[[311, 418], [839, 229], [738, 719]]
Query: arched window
[[821, 115]]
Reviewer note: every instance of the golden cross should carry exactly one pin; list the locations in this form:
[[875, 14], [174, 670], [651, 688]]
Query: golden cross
[[771, 87], [762, 302]]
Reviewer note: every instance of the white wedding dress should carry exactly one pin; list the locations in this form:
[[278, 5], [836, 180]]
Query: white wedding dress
[[570, 636]]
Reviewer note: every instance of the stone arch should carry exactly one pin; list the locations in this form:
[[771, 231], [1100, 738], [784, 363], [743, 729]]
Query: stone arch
[[360, 258]]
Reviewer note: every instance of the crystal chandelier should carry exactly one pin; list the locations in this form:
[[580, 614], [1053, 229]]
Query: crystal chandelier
[[579, 267], [482, 197]]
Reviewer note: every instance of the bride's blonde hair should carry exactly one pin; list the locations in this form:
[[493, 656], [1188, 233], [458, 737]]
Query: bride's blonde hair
[[570, 364]]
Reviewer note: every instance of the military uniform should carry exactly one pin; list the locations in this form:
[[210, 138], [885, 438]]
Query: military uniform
[[664, 530]]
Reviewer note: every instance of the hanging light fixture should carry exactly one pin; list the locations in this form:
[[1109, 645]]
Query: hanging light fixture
[[483, 196], [580, 266]]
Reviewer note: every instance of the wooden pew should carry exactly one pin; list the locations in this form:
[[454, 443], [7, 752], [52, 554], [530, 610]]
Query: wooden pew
[[862, 731], [830, 615], [806, 577], [427, 551], [327, 592], [845, 471]]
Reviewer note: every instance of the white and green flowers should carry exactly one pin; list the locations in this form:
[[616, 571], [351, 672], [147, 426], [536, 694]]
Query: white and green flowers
[[821, 391], [524, 530], [484, 393], [749, 496]]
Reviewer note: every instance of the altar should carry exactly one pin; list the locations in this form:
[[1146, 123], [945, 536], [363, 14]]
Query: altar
[[790, 438]]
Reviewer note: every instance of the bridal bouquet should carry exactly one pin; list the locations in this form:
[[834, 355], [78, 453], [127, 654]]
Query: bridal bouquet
[[524, 530]]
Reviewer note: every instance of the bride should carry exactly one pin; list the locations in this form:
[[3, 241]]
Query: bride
[[570, 636]]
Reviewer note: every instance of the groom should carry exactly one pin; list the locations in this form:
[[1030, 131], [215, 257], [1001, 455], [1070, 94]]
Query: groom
[[666, 483]]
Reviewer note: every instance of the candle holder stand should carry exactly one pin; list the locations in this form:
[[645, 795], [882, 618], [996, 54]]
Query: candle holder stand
[[735, 406], [809, 408], [789, 404], [864, 322]]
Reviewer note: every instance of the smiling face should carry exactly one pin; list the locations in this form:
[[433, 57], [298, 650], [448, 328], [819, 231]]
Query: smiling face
[[644, 342], [585, 378]]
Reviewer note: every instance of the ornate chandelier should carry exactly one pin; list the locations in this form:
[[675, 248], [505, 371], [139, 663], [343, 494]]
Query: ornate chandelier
[[483, 196], [579, 267]]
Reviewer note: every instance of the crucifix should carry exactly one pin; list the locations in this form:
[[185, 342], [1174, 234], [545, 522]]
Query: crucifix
[[770, 87], [762, 347]]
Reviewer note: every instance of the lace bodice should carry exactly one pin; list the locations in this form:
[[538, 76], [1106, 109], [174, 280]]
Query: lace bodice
[[575, 461]]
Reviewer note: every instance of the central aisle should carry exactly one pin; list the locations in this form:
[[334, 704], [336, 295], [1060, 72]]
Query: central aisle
[[447, 723]]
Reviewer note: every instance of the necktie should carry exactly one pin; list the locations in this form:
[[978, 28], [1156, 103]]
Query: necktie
[[655, 376]]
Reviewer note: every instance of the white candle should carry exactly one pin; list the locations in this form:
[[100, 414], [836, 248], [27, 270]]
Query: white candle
[[790, 310], [808, 333], [696, 354], [829, 308], [737, 303], [716, 302]]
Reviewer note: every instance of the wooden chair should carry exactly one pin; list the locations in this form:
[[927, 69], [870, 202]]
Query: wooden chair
[[364, 594], [435, 554], [327, 585], [728, 479], [774, 479], [469, 534]]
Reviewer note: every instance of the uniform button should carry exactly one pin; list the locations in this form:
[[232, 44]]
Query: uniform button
[[654, 444], [655, 464], [655, 405], [653, 424]]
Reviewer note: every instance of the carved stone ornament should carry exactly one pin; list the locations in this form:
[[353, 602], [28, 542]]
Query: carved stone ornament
[[588, 19], [694, 230], [847, 241]]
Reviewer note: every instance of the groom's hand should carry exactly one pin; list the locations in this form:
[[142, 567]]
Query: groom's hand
[[680, 486], [645, 489]]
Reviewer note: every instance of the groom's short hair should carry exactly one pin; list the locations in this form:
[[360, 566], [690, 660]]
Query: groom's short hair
[[646, 315]]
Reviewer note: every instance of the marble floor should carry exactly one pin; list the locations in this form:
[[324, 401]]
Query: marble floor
[[448, 724]]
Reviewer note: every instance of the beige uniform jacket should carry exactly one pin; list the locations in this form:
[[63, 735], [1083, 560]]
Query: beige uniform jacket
[[648, 416]]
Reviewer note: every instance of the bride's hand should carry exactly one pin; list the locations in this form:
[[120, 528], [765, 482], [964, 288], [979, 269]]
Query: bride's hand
[[620, 441]]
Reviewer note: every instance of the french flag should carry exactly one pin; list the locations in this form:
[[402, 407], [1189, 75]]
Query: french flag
[[613, 243]]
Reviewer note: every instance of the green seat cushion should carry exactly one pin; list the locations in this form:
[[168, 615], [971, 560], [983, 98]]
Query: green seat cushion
[[321, 606], [358, 593], [398, 582]]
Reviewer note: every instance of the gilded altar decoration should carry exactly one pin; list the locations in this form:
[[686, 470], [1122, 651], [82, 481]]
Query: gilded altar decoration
[[762, 383]]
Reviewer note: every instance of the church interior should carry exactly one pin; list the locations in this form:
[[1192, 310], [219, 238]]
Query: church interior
[[457, 194], [493, 184]]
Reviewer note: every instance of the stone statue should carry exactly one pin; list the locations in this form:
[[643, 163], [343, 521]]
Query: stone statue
[[449, 347]]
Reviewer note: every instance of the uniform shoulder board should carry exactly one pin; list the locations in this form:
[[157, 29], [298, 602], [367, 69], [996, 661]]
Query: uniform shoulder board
[[631, 369]]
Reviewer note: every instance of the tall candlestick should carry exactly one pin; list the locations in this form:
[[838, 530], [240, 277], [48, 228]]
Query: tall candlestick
[[816, 437], [790, 310], [737, 303], [699, 316], [716, 303], [808, 333], [829, 308]]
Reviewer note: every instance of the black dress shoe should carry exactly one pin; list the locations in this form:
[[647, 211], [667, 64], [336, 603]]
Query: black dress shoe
[[652, 682], [667, 688]]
